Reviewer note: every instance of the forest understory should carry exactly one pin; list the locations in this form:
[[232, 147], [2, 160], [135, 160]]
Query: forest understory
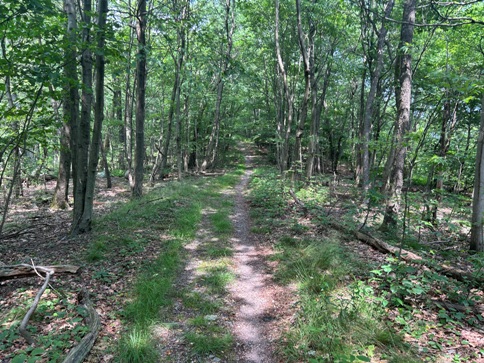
[[159, 272]]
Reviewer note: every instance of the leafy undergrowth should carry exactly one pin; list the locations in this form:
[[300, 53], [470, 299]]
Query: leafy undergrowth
[[355, 304]]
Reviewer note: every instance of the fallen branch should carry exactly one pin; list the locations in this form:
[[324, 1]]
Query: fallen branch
[[405, 255], [23, 325], [477, 310], [24, 270], [408, 256], [80, 351], [17, 234], [298, 202]]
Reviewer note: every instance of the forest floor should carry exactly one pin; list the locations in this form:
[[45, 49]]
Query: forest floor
[[229, 302]]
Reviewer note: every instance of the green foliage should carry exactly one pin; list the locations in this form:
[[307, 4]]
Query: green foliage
[[339, 319], [51, 344], [267, 193], [209, 344], [137, 346]]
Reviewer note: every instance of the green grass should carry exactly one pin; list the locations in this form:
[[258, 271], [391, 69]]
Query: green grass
[[137, 346], [204, 344], [221, 222], [173, 211], [204, 304], [340, 318]]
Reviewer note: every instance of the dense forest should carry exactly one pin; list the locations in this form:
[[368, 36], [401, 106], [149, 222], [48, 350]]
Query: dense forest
[[390, 92], [369, 113]]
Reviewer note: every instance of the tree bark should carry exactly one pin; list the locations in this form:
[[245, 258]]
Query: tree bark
[[402, 124], [86, 219], [213, 142], [284, 128], [370, 101], [306, 53], [104, 145], [477, 237], [80, 164], [137, 189], [68, 132]]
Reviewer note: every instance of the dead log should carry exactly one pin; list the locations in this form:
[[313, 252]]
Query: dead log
[[477, 310], [80, 351], [24, 270], [455, 273]]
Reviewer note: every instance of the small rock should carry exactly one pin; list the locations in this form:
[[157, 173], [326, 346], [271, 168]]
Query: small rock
[[211, 317]]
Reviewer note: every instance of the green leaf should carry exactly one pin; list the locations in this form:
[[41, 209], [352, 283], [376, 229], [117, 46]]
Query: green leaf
[[37, 351], [363, 358], [19, 358]]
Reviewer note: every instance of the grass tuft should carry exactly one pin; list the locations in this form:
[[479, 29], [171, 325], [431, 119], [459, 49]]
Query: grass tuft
[[136, 346], [209, 344]]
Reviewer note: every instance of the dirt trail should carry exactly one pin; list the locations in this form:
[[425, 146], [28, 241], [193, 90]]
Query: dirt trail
[[253, 288], [255, 309]]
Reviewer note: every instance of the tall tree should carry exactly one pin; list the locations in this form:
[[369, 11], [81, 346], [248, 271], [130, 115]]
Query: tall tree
[[477, 221], [307, 56], [80, 163], [137, 189], [370, 100], [403, 75], [286, 109], [213, 141], [86, 218], [68, 145]]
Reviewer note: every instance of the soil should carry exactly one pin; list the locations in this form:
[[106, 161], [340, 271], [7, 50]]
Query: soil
[[262, 304]]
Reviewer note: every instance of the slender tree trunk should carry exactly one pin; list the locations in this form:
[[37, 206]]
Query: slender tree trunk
[[104, 146], [162, 158], [80, 164], [213, 142], [137, 190], [306, 53], [86, 219], [370, 101], [402, 125], [477, 236], [70, 107], [128, 111], [118, 116], [286, 116]]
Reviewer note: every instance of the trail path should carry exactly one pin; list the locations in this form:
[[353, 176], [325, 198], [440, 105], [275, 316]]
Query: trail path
[[253, 289], [254, 309]]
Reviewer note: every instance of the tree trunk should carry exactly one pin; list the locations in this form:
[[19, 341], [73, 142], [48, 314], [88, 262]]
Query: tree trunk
[[306, 53], [104, 146], [86, 218], [118, 116], [128, 111], [213, 142], [137, 190], [477, 237], [80, 164], [285, 116], [68, 131], [370, 101], [402, 124]]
